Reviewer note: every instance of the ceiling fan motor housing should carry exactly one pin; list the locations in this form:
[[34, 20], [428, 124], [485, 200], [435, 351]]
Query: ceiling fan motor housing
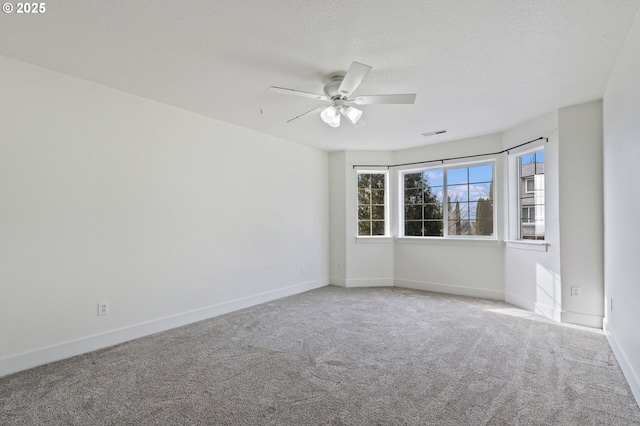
[[331, 88]]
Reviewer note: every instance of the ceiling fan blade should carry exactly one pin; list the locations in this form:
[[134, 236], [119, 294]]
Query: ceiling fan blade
[[320, 108], [286, 91], [385, 99], [357, 72]]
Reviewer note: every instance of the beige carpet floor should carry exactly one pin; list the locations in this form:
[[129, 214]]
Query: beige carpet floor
[[335, 356]]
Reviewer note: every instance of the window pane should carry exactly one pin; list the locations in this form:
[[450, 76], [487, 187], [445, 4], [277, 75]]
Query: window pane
[[457, 176], [458, 192], [481, 174], [464, 210], [480, 190], [484, 227], [433, 228], [530, 186], [377, 196], [413, 212], [432, 211], [377, 181], [433, 194], [433, 177], [413, 228], [364, 212], [465, 199], [371, 203], [540, 162], [364, 227], [413, 196], [531, 200], [377, 227], [377, 213], [364, 196], [364, 180], [413, 180]]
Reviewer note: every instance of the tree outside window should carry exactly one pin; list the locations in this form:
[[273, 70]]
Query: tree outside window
[[467, 211], [371, 204]]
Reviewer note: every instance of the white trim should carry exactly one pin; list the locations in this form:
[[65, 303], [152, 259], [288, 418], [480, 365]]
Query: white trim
[[627, 368], [370, 282], [535, 245], [587, 320], [450, 289], [26, 360], [452, 241], [548, 311], [374, 240]]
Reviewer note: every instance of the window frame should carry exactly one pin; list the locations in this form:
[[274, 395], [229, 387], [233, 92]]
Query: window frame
[[387, 231], [522, 191], [445, 213]]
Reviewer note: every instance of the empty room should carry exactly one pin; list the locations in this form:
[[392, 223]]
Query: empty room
[[337, 213]]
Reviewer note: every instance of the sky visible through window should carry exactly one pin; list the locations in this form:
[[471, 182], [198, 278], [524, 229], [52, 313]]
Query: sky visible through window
[[463, 184], [449, 201]]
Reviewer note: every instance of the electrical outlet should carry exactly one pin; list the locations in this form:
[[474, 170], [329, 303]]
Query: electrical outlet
[[339, 266], [103, 308], [575, 291]]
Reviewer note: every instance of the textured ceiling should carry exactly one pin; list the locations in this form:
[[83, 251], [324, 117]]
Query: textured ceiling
[[477, 66]]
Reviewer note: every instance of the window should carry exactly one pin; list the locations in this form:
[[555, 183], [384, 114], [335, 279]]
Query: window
[[529, 185], [372, 210], [531, 195], [528, 215], [448, 201]]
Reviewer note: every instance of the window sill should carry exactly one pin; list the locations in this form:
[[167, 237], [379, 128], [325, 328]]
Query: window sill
[[473, 242], [374, 240], [528, 245]]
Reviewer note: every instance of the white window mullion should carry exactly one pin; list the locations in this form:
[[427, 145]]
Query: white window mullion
[[445, 204]]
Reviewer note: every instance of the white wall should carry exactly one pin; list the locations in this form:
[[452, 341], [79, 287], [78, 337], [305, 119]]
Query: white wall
[[338, 218], [472, 268], [532, 272], [621, 207], [169, 216], [581, 212], [364, 262]]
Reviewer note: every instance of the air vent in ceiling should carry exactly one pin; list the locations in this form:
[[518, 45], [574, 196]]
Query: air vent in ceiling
[[437, 132]]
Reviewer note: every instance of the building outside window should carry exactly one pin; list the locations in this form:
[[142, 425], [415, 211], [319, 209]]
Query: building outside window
[[531, 195], [447, 202], [372, 204]]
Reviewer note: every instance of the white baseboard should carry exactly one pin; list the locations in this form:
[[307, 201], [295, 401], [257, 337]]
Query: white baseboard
[[587, 320], [519, 301], [627, 368], [548, 312], [46, 355], [370, 282], [451, 289], [338, 282]]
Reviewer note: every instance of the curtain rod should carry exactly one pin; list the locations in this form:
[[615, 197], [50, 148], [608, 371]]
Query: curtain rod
[[388, 166]]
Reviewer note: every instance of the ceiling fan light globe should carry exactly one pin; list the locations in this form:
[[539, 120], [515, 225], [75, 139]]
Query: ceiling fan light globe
[[353, 114], [328, 114], [335, 121]]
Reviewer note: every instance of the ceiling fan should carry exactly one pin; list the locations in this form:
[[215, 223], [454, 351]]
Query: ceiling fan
[[338, 91]]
